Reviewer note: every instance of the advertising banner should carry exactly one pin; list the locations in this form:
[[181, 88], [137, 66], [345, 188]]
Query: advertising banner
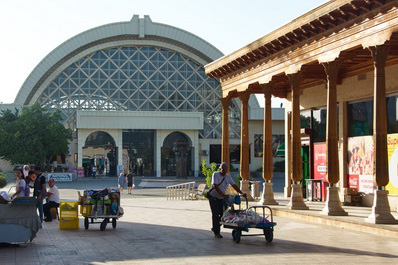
[[320, 165], [60, 176], [392, 145], [360, 163]]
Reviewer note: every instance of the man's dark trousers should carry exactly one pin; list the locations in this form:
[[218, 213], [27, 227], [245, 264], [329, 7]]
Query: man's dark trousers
[[217, 210], [47, 207]]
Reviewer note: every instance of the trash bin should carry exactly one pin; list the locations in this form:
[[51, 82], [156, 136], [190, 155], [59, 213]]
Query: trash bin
[[255, 189], [314, 189]]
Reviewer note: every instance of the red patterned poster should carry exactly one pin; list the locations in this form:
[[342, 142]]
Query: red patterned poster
[[320, 165]]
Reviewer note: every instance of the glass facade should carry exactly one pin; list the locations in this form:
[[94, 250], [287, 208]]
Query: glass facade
[[360, 118], [139, 79], [139, 152]]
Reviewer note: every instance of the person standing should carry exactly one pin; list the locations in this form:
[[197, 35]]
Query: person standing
[[130, 182], [39, 190], [29, 179], [20, 185], [220, 181], [122, 182], [52, 200], [26, 170]]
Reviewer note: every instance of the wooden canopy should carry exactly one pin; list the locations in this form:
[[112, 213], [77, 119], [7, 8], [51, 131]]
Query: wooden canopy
[[338, 29]]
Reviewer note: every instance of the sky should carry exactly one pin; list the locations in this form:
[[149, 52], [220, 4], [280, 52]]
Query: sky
[[29, 29]]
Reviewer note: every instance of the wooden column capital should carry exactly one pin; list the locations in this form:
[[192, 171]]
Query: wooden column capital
[[379, 55], [294, 80], [267, 89], [225, 102], [332, 71], [244, 97]]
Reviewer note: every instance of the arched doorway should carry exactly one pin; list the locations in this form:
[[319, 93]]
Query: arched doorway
[[100, 151], [177, 155]]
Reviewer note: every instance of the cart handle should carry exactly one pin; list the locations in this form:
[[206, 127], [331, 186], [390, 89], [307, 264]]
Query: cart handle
[[256, 207]]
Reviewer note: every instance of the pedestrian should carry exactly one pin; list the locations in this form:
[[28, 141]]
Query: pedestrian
[[20, 185], [26, 170], [122, 182], [130, 182], [220, 181], [28, 180], [94, 170], [52, 200], [39, 190]]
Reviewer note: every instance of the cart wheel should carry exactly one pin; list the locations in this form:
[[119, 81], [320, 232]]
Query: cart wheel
[[86, 223], [103, 225], [269, 234], [114, 222], [236, 234]]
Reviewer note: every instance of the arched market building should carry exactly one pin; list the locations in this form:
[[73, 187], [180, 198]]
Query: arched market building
[[136, 96]]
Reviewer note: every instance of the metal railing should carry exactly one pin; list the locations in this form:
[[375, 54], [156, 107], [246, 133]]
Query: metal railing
[[183, 191]]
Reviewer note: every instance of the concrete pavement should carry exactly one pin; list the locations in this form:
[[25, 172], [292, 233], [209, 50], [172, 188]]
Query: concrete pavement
[[156, 231]]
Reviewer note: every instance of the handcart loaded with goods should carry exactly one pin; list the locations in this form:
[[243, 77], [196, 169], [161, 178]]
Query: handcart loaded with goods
[[100, 204], [252, 217]]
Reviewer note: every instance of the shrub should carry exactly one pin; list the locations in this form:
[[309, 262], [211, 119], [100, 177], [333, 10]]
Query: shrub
[[3, 180], [208, 172]]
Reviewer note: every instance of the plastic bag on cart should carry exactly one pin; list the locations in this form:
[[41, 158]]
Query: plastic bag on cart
[[231, 200]]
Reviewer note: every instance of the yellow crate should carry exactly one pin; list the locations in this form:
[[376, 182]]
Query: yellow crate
[[68, 223], [85, 210], [68, 207]]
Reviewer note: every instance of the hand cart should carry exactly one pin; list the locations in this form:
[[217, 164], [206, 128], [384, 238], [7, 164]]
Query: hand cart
[[105, 204], [249, 220]]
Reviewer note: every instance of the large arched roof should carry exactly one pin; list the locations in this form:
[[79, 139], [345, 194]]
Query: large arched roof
[[137, 31]]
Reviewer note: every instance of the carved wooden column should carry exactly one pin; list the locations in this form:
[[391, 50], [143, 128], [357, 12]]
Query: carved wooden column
[[268, 171], [244, 144], [381, 209], [333, 204], [296, 200], [225, 132]]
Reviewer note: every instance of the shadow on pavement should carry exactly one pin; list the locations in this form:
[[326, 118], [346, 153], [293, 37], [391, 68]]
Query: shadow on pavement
[[139, 241]]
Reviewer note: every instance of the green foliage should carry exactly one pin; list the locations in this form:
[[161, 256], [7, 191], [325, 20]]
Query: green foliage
[[32, 135], [208, 172], [260, 169], [3, 180]]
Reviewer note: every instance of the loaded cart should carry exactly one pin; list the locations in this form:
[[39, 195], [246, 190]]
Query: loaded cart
[[102, 204], [259, 217]]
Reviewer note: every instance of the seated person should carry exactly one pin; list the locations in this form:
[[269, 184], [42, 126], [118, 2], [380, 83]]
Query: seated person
[[52, 200]]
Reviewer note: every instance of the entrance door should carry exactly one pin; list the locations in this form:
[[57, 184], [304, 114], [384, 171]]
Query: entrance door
[[177, 155]]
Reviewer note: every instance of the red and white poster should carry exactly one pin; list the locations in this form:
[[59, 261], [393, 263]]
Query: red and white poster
[[360, 164], [320, 165]]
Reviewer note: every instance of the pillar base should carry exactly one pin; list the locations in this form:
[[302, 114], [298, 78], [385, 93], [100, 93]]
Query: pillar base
[[381, 209], [296, 200], [267, 197], [333, 204], [244, 186]]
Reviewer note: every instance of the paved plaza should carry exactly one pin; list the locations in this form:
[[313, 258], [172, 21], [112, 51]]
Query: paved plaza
[[156, 231]]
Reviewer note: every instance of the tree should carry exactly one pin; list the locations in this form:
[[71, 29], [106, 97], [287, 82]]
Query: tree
[[32, 136]]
